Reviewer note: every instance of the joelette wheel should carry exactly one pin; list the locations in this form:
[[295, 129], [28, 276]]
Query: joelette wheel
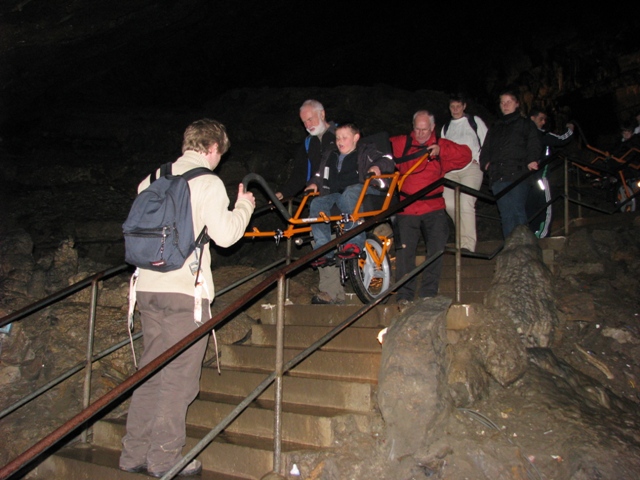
[[371, 275]]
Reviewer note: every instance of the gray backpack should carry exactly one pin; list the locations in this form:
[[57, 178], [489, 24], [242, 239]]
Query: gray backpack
[[158, 233]]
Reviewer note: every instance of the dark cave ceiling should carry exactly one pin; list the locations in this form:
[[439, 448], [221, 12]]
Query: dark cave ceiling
[[179, 53]]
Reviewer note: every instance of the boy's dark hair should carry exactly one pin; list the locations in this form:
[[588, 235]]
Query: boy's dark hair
[[627, 126], [535, 111], [350, 125], [458, 97]]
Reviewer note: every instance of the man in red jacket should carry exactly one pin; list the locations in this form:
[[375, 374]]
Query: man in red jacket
[[426, 216]]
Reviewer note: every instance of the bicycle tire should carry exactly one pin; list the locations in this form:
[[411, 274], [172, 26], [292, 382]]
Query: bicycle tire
[[369, 281]]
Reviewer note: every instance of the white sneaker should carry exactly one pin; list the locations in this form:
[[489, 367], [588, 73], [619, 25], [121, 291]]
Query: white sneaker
[[193, 468]]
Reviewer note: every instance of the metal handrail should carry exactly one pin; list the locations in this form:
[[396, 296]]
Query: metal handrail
[[20, 314], [91, 411], [61, 294]]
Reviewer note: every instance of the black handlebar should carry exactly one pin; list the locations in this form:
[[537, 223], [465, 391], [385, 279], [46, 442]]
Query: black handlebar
[[254, 177]]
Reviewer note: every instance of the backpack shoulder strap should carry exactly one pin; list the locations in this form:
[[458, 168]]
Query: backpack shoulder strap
[[165, 169], [473, 124], [196, 172], [445, 127]]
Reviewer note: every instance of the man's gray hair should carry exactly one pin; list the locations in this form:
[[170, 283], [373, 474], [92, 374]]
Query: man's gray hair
[[316, 105], [427, 113]]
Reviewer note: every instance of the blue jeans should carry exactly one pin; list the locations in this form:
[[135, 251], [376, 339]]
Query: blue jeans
[[346, 202], [512, 206]]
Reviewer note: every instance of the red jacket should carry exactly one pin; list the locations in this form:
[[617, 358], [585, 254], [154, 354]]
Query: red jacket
[[452, 157]]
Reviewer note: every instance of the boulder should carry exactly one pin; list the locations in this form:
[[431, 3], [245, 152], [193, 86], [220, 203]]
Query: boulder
[[412, 383], [522, 290]]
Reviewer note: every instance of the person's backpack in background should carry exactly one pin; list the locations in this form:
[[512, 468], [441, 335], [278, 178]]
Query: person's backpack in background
[[158, 233]]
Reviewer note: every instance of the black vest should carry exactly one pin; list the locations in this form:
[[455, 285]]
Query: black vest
[[348, 174]]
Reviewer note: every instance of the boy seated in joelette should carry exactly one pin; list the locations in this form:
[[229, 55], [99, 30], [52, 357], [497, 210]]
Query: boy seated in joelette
[[339, 181]]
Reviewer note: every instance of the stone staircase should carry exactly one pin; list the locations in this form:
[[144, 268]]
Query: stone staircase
[[334, 386], [477, 273]]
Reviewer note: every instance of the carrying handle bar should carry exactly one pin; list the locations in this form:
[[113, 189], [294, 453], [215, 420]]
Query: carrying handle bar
[[254, 177]]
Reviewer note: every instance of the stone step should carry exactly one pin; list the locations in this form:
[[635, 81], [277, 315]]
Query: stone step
[[465, 297], [346, 365], [328, 315], [489, 246], [484, 271], [355, 339], [242, 456], [98, 463], [311, 426], [466, 284], [313, 392]]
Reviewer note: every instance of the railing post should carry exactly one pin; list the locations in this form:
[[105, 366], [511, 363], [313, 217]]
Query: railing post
[[566, 197], [578, 186], [288, 253], [458, 244], [86, 397], [277, 409]]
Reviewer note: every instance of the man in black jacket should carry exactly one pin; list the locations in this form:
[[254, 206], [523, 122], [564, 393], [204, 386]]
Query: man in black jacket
[[540, 193], [511, 148], [321, 138], [548, 139]]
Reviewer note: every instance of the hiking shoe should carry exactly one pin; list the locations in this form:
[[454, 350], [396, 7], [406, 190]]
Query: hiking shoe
[[137, 469], [349, 251], [323, 262], [192, 468], [323, 298]]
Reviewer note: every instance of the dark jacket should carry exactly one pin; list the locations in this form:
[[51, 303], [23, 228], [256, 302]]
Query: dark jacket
[[511, 144], [354, 168], [551, 140], [306, 163]]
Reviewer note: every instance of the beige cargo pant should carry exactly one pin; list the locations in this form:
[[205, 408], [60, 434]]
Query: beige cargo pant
[[156, 421]]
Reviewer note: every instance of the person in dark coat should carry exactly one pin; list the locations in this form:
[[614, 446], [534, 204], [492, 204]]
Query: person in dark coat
[[540, 193], [512, 148]]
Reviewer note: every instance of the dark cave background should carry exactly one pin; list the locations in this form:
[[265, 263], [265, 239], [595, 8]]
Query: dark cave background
[[93, 94], [179, 55]]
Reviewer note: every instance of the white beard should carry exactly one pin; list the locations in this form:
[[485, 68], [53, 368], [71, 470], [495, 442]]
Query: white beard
[[318, 130]]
